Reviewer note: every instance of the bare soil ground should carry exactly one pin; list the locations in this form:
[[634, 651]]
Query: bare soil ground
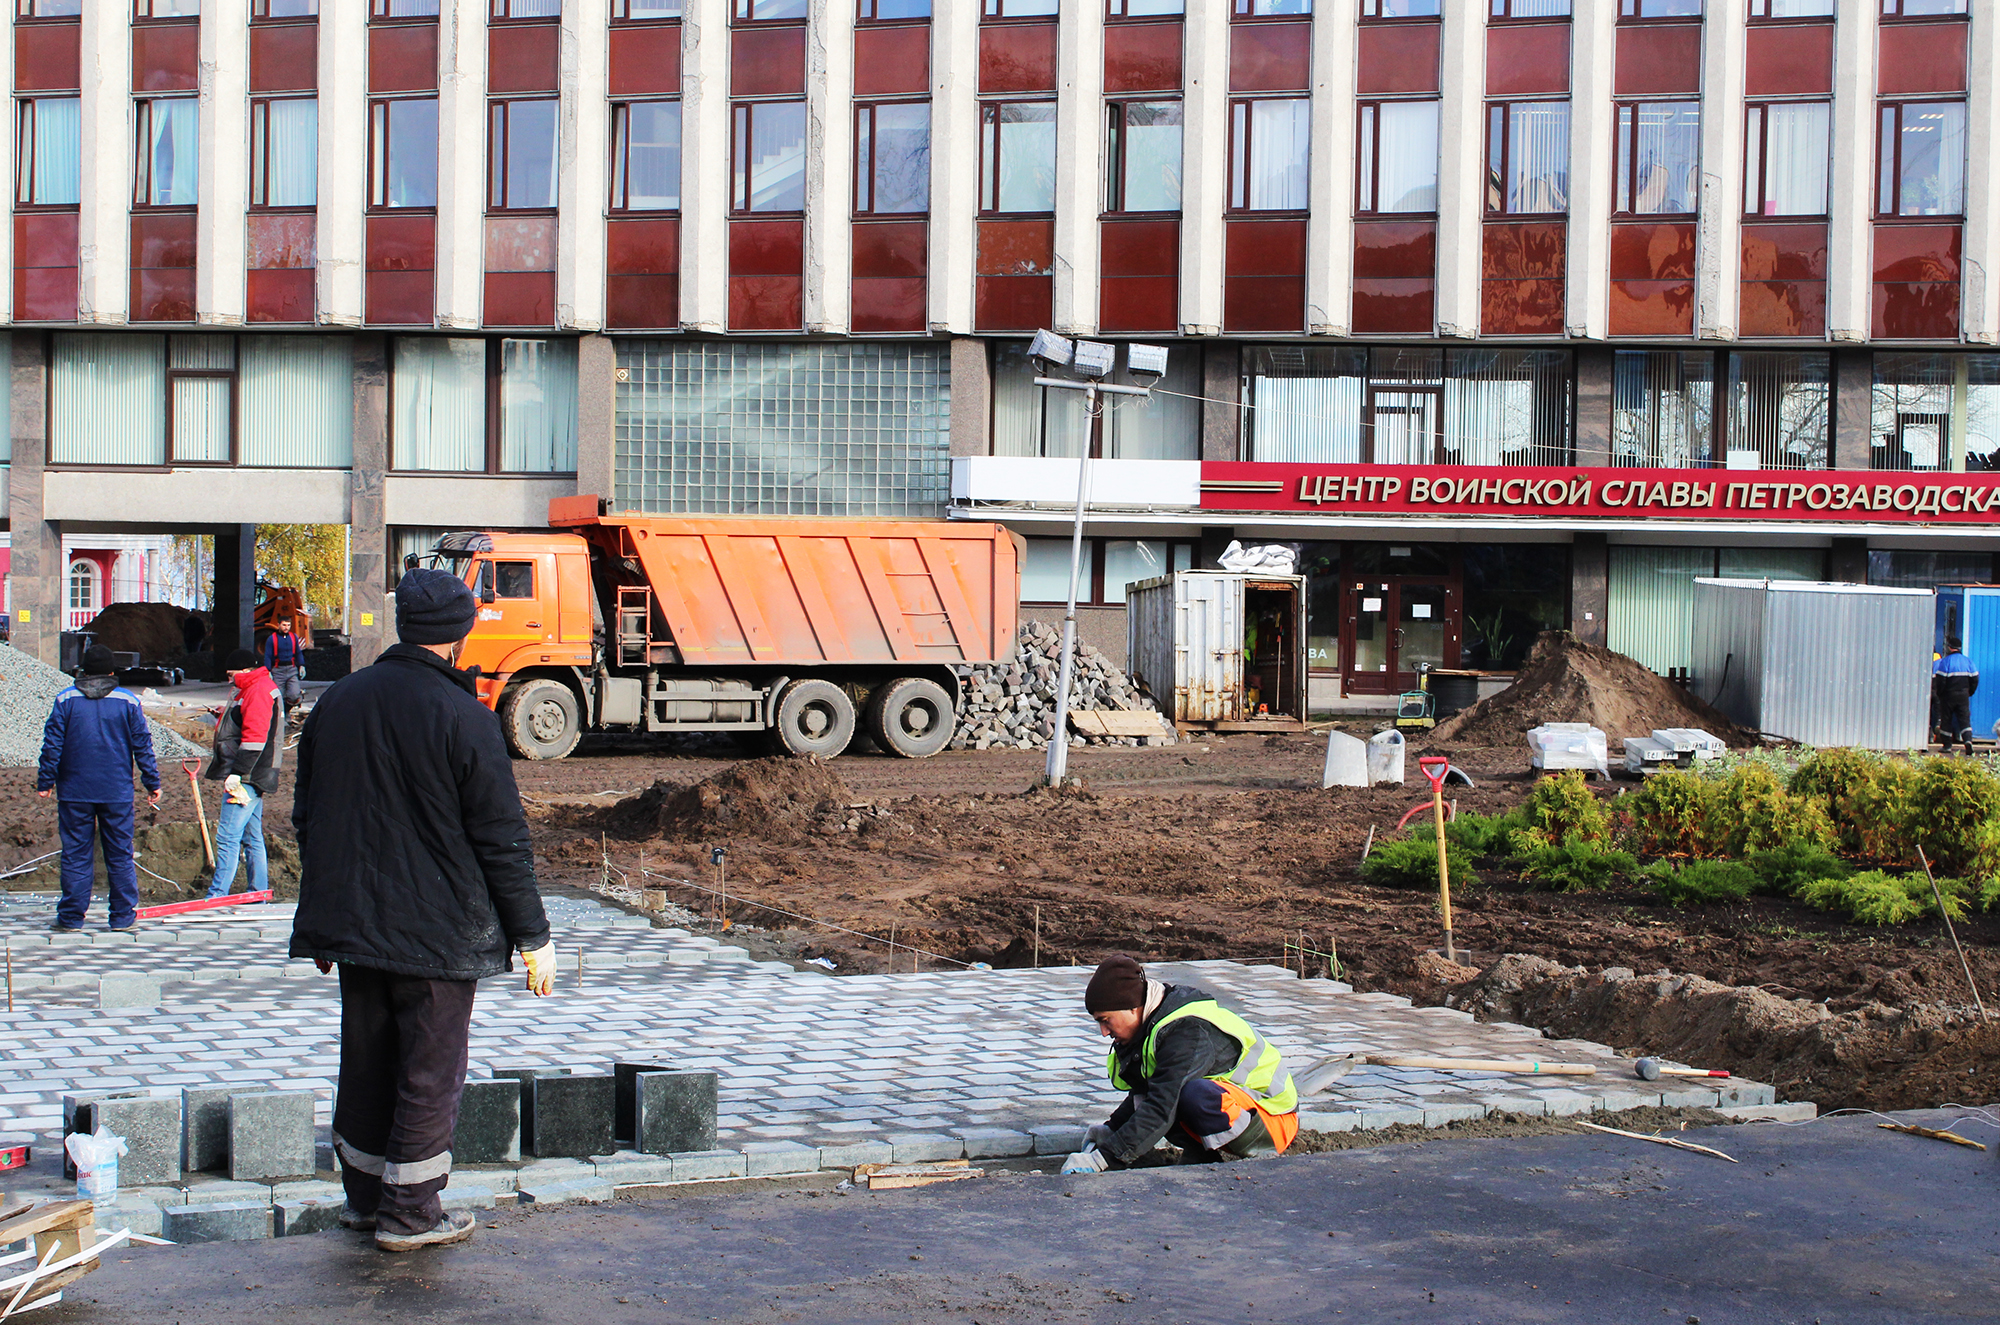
[[1221, 848]]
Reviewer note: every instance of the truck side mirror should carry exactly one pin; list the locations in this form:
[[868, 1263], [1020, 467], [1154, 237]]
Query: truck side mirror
[[485, 581]]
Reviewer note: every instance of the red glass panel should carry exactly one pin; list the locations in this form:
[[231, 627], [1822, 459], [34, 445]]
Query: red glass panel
[[522, 57], [1264, 303], [1916, 252], [520, 243], [1017, 57], [1788, 60], [1270, 57], [1013, 303], [1265, 248], [1652, 308], [47, 57], [646, 60], [1139, 303], [1652, 251], [278, 296], [1397, 57], [889, 304], [1016, 248], [1532, 250], [1921, 57], [1139, 248], [1784, 252], [1142, 57], [1781, 308], [520, 298], [163, 294], [650, 247], [285, 241], [163, 239], [766, 303], [45, 239], [1394, 306], [400, 298], [403, 58], [45, 266], [767, 248], [1521, 308], [767, 62], [45, 294], [1527, 59], [890, 250], [1395, 249], [1916, 310], [402, 243], [1666, 58], [890, 62], [166, 57], [284, 57], [642, 302]]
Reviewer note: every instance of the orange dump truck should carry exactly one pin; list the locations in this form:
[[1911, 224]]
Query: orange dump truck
[[797, 628]]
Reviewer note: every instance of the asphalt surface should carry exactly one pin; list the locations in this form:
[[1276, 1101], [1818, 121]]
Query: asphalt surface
[[1835, 1221]]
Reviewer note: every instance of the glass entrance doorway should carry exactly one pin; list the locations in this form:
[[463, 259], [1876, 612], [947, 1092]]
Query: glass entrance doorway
[[1395, 625]]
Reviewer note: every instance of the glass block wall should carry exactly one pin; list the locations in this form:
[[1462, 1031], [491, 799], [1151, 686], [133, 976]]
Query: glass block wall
[[751, 428]]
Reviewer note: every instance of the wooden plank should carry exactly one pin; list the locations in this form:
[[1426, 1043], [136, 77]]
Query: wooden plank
[[1117, 722], [52, 1214], [894, 1177]]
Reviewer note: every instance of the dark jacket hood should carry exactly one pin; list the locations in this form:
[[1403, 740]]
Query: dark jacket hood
[[96, 687]]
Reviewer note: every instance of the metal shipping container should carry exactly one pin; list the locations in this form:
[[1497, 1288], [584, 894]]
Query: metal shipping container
[[1971, 613], [1187, 635], [1824, 664]]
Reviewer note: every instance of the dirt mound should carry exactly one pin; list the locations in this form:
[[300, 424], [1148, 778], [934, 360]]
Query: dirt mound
[[170, 860], [1566, 680], [151, 630], [776, 799], [1920, 1056]]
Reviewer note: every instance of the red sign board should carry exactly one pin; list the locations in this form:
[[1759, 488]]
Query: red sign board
[[1844, 496]]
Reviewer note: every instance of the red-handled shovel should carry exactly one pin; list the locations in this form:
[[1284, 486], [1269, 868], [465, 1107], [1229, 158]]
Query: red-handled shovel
[[1435, 767]]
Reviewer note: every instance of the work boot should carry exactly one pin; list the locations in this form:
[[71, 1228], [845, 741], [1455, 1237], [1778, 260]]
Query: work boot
[[354, 1219], [451, 1227]]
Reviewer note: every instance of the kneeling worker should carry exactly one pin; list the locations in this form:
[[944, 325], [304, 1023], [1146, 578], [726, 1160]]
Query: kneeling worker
[[1198, 1075]]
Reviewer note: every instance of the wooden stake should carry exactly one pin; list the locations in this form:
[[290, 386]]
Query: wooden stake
[[1933, 1133], [10, 974], [1662, 1140], [1945, 915], [1038, 936], [1332, 958], [1369, 845], [579, 966]]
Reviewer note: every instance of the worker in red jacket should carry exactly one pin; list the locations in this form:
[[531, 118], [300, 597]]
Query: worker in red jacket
[[249, 750]]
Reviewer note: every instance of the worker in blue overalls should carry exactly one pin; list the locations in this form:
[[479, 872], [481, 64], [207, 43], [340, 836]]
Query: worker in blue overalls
[[1954, 681]]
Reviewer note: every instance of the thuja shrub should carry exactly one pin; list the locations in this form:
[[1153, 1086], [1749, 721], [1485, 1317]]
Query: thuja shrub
[[1783, 871], [1483, 834], [1879, 898], [1563, 809], [1576, 866], [1869, 798], [1672, 814], [1701, 882], [1956, 804], [1412, 862], [1753, 811]]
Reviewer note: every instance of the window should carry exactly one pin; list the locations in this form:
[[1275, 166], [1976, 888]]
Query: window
[[1922, 166], [538, 406], [1108, 565], [149, 9], [49, 8], [1506, 9], [169, 148], [439, 419], [1272, 8], [892, 158], [1645, 9], [1020, 8], [1270, 151], [201, 399], [1017, 144], [277, 9], [521, 156], [513, 579], [1786, 158], [1401, 9], [84, 581], [297, 401], [1777, 10], [770, 11], [1922, 8], [769, 157], [1778, 410], [518, 9], [644, 11], [1144, 8], [646, 156], [1527, 158], [889, 11], [404, 8], [1659, 158], [1033, 421], [402, 153], [1143, 156], [1396, 157], [1662, 409], [1922, 403], [284, 152], [47, 152]]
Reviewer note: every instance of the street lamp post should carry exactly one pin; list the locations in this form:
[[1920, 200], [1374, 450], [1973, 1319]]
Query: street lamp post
[[1093, 361]]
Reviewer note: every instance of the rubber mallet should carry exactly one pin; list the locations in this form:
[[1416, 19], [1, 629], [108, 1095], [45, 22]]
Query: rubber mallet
[[1652, 1069]]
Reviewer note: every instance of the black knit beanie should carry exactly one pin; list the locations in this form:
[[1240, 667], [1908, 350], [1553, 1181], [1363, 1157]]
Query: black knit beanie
[[99, 661], [1118, 985], [433, 607]]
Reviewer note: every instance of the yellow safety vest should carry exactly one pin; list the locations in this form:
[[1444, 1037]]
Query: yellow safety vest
[[1260, 1070]]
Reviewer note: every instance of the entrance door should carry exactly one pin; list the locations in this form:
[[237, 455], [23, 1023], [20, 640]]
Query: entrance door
[[1396, 625]]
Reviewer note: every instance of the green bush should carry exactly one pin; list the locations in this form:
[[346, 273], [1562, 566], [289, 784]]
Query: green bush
[[1878, 898], [1784, 870], [1869, 798], [1563, 809], [1672, 814], [1576, 867], [1412, 862], [1702, 882], [1955, 806], [1752, 810], [1989, 896], [1484, 834]]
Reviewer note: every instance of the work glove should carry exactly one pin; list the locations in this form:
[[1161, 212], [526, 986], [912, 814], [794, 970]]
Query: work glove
[[1086, 1161], [1096, 1135], [234, 791], [325, 967], [541, 963]]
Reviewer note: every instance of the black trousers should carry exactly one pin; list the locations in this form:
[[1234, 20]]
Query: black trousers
[[402, 1069]]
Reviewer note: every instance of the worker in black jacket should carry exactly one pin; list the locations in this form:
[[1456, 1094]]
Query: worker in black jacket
[[418, 880]]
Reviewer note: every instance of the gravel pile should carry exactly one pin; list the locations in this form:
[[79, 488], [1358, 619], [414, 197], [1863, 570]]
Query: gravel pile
[[28, 689], [1013, 704]]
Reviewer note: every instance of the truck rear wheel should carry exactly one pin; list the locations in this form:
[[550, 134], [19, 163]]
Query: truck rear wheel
[[911, 717], [541, 719], [813, 718]]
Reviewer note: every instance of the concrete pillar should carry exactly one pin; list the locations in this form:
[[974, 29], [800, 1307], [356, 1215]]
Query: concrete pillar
[[954, 173], [1851, 192], [829, 288], [220, 238], [583, 183], [1204, 162], [1589, 587], [1980, 316], [370, 626], [1593, 53], [1719, 238], [104, 231], [1461, 171], [35, 570], [343, 146], [461, 209], [1847, 562], [596, 416], [1222, 422], [705, 165], [1079, 147], [1594, 368], [235, 587], [1330, 237], [971, 398], [1853, 415]]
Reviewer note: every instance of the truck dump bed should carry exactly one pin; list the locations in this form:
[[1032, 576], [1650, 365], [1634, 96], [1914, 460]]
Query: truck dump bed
[[736, 591]]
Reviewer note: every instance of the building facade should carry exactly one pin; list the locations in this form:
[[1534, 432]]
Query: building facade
[[1513, 314]]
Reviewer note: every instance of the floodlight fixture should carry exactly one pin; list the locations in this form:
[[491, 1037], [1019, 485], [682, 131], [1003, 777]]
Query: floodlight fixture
[[1147, 363], [1094, 359], [1051, 350]]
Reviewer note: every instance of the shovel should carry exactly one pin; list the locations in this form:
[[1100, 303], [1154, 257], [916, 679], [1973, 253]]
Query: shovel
[[188, 766], [1435, 768]]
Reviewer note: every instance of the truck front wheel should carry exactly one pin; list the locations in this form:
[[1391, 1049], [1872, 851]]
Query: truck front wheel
[[541, 720], [911, 717], [813, 718]]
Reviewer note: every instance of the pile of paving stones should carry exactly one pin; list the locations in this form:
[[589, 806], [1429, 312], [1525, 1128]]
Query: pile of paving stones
[[28, 689], [1013, 704]]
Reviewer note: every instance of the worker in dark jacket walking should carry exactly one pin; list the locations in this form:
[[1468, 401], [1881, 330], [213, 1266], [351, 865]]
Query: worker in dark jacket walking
[[1196, 1074], [1954, 681], [95, 733], [286, 662], [418, 880]]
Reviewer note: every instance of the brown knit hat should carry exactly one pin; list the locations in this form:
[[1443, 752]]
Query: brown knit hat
[[1118, 985]]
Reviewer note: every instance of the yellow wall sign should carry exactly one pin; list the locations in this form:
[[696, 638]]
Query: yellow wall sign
[[367, 618], [26, 615]]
